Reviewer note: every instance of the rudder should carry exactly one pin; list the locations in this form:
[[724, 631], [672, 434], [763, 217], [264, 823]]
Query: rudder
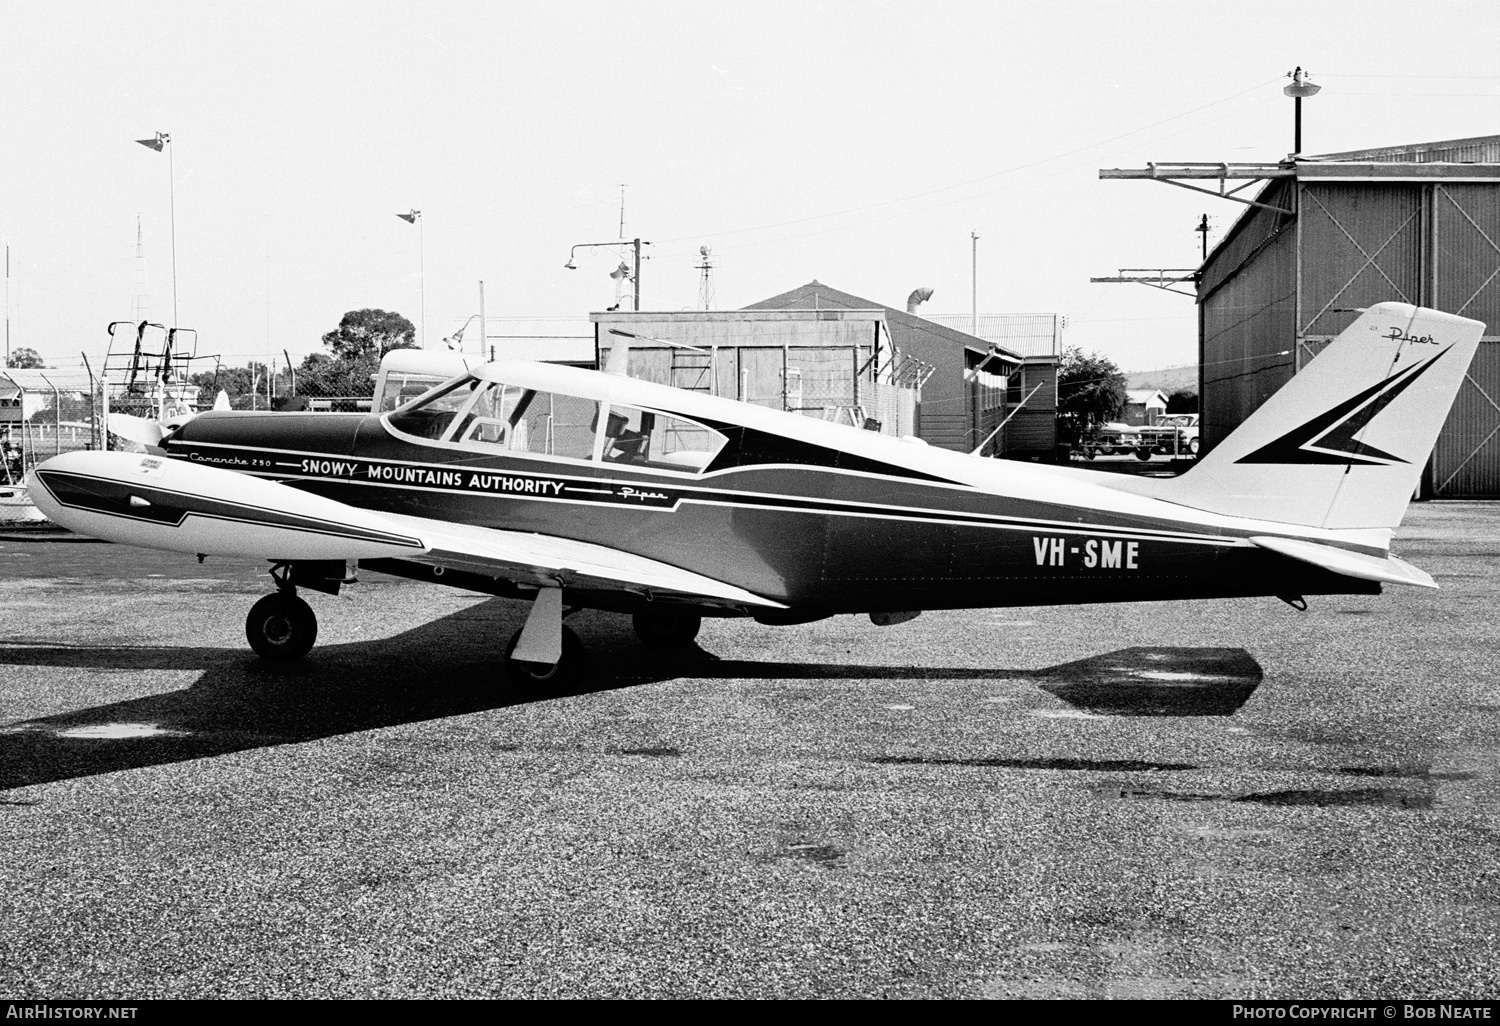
[[1342, 445]]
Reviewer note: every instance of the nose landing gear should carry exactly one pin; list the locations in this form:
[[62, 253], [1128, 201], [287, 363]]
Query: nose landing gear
[[281, 627]]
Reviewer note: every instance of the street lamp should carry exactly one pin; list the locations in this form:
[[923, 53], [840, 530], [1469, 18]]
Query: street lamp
[[412, 218], [636, 276], [1299, 88], [456, 340], [161, 142]]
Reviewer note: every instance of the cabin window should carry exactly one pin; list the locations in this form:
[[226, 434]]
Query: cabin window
[[433, 415], [488, 416], [645, 438]]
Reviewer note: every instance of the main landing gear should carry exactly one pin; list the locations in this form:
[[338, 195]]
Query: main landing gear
[[544, 656]]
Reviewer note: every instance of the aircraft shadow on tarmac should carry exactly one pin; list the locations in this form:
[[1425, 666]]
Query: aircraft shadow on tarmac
[[450, 668]]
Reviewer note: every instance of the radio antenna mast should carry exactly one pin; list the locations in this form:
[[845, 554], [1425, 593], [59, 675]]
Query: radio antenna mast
[[706, 285]]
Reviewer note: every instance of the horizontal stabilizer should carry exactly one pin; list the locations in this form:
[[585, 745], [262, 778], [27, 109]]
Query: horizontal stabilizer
[[138, 429], [1385, 569]]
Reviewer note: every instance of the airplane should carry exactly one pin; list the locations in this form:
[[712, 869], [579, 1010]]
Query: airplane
[[580, 488]]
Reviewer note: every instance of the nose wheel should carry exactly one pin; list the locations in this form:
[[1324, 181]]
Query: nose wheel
[[281, 627]]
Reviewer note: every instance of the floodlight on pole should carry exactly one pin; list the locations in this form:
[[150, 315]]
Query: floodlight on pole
[[623, 270], [1299, 88], [413, 218], [163, 142]]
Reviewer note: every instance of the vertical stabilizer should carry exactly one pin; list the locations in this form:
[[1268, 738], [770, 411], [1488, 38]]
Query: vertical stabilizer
[[1343, 444]]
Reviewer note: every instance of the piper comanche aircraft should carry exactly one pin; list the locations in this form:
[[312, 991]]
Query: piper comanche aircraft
[[577, 488]]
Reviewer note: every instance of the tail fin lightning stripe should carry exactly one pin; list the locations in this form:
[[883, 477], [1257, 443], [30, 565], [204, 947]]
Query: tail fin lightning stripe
[[1329, 437]]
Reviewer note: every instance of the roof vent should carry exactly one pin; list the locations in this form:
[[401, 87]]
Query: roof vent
[[917, 298]]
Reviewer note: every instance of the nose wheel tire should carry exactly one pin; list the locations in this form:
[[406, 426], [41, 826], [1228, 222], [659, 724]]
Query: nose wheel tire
[[536, 678], [666, 630], [281, 627]]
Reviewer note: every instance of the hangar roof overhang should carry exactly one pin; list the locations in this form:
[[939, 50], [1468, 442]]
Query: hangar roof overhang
[[1475, 159]]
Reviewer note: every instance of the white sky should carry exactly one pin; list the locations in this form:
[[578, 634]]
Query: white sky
[[858, 143]]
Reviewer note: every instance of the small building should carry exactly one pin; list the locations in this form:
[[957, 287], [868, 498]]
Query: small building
[[972, 385], [1144, 406], [837, 365]]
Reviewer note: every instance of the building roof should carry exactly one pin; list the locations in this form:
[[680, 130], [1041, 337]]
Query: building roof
[[1482, 149], [815, 295], [1146, 396]]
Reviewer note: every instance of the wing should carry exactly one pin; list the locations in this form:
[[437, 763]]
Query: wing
[[547, 560]]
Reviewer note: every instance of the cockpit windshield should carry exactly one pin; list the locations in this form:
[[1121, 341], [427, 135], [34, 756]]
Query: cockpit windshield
[[491, 417]]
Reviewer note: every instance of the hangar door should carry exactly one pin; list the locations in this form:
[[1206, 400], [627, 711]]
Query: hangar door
[[1466, 280]]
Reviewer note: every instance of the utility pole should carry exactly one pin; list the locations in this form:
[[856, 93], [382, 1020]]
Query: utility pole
[[163, 141], [1202, 229], [415, 217], [484, 335], [1299, 88], [974, 307]]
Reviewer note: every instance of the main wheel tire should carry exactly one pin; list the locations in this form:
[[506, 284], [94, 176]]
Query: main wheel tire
[[1192, 446], [281, 627], [666, 630], [1106, 450], [542, 678], [1143, 453]]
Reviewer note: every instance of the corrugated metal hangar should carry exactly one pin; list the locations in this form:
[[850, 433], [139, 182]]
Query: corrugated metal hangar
[[1329, 234]]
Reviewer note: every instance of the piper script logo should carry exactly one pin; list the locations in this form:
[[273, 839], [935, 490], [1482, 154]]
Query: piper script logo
[[1329, 437]]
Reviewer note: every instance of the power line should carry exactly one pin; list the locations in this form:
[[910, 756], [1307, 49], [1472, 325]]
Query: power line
[[983, 178]]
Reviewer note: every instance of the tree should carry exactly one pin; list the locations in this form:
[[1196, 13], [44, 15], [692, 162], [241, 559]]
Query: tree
[[24, 359], [1090, 389], [1184, 400], [323, 375], [370, 333]]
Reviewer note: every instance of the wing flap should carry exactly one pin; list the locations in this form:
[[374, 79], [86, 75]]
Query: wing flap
[[1387, 570], [547, 561]]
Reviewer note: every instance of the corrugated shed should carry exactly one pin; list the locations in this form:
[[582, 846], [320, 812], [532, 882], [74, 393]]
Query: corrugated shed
[[1361, 245], [1466, 462], [1466, 257], [1255, 230], [1248, 332]]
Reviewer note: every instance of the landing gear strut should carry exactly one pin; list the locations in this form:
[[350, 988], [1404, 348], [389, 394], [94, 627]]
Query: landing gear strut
[[544, 656], [666, 630], [545, 678], [281, 627]]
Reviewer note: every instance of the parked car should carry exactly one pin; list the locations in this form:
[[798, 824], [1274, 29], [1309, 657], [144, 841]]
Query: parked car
[[1111, 438], [1173, 435]]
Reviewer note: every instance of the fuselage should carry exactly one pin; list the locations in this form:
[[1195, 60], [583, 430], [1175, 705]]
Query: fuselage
[[820, 517]]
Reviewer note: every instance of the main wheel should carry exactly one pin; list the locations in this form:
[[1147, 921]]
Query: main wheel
[[541, 677], [281, 627], [666, 630], [1143, 453], [1192, 446]]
